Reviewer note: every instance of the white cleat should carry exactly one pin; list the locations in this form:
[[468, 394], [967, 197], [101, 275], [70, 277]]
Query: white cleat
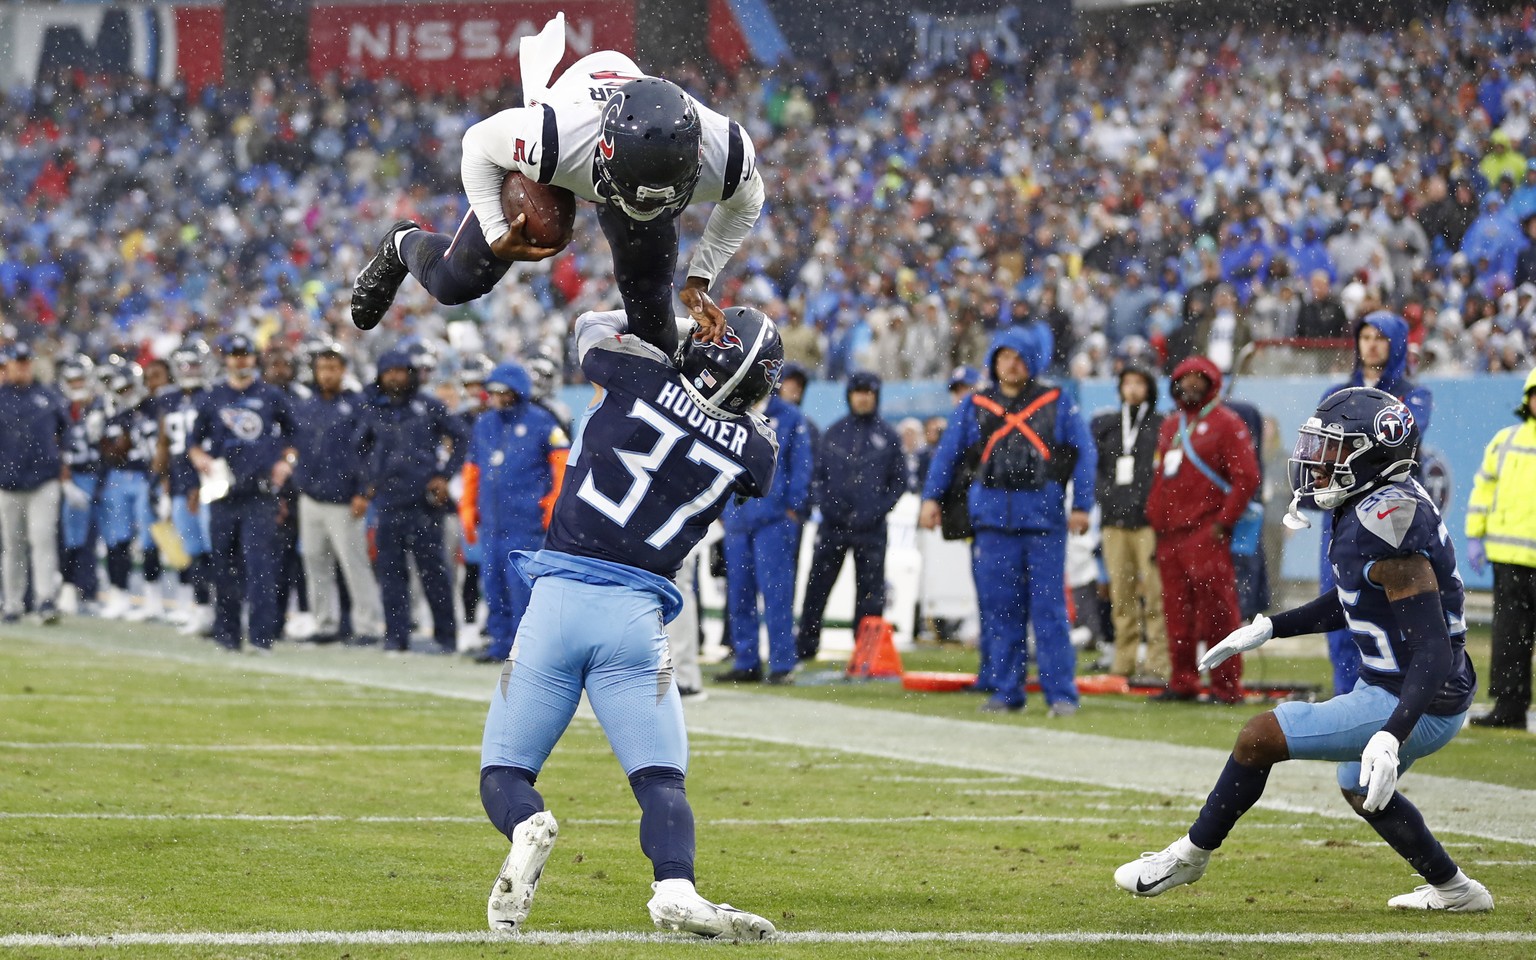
[[300, 626], [677, 908], [198, 621], [1471, 897], [1151, 874], [512, 893], [149, 608]]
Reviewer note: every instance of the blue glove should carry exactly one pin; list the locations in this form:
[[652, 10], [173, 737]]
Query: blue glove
[[1477, 557]]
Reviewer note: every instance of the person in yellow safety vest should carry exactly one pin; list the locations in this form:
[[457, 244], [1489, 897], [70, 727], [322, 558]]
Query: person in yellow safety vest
[[1501, 529]]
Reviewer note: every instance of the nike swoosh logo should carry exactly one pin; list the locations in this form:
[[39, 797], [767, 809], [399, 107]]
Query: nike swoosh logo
[[1142, 887], [1383, 514]]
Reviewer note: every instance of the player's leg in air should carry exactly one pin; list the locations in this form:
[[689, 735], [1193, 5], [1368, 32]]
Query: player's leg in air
[[1337, 729]]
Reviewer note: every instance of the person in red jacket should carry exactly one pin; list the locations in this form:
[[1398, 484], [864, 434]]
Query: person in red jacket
[[1206, 474]]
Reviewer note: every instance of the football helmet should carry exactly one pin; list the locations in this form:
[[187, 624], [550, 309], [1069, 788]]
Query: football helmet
[[76, 380], [124, 381], [727, 377], [474, 368], [1359, 439], [544, 370], [650, 149], [189, 365]]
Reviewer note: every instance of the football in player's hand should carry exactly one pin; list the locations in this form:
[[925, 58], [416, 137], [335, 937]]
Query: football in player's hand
[[550, 210]]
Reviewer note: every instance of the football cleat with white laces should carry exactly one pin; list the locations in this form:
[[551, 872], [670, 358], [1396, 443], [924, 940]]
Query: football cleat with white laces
[[1151, 874], [1469, 897], [512, 893], [677, 908]]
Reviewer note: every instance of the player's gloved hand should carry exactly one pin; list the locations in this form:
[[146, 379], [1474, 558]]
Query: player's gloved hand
[[1244, 638], [163, 507], [1378, 770], [76, 498], [1476, 555]]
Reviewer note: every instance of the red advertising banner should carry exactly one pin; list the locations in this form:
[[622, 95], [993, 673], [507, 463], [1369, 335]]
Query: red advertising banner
[[463, 46]]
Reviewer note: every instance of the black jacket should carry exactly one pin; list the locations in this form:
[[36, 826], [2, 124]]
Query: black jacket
[[860, 473], [1124, 505]]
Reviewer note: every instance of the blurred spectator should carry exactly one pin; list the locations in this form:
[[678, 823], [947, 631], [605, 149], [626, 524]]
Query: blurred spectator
[[1126, 439], [31, 471], [858, 475], [1206, 474], [1501, 529], [915, 453], [1321, 316]]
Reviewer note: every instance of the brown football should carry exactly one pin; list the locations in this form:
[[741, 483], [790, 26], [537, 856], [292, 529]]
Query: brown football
[[551, 211]]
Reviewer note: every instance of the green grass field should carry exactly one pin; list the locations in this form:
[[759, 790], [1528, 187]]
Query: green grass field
[[196, 804]]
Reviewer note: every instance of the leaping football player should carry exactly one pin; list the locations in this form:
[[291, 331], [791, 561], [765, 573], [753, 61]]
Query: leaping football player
[[1400, 596], [667, 440], [638, 146]]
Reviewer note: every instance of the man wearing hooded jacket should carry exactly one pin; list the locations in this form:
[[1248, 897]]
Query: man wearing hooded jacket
[[1206, 474], [402, 432], [859, 475], [512, 475], [1028, 441], [1381, 361]]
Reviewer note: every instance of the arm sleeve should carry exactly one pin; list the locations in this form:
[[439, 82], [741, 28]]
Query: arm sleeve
[[1422, 620], [1321, 615], [469, 503], [1242, 470], [729, 224], [596, 326], [1484, 485], [489, 152], [1085, 472], [941, 470]]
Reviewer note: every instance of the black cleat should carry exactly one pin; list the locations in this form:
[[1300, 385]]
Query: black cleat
[[375, 287], [740, 676], [1498, 719]]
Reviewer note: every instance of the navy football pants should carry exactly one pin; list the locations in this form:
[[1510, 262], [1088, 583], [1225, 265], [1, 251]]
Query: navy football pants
[[247, 553], [462, 268], [832, 546], [419, 533]]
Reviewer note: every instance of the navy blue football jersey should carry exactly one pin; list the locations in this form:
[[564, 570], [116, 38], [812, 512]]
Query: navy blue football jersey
[[175, 410], [248, 428], [87, 425], [1398, 520], [126, 425], [649, 471]]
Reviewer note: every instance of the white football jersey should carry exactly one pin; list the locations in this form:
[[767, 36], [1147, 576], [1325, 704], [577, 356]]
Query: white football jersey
[[555, 142]]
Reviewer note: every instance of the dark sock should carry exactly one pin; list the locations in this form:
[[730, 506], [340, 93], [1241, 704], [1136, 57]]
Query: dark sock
[[119, 562], [666, 822], [202, 583], [471, 594], [151, 565], [1237, 789], [1402, 826], [508, 796]]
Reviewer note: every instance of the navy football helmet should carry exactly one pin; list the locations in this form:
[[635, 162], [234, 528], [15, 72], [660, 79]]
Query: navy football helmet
[[190, 365], [76, 378], [727, 377], [650, 152], [1359, 439]]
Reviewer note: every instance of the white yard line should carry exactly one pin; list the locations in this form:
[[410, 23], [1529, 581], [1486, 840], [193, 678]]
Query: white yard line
[[1452, 805], [45, 745], [414, 937]]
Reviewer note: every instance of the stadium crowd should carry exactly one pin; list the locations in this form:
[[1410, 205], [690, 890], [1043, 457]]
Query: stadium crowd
[[1199, 191], [1165, 199]]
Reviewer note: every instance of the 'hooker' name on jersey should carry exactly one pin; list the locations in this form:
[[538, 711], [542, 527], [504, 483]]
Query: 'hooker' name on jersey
[[649, 470], [1398, 520]]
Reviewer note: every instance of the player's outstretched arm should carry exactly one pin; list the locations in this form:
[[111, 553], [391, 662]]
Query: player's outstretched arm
[[489, 152]]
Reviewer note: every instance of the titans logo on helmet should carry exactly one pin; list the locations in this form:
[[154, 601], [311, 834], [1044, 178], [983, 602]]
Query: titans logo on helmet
[[729, 341], [1393, 424], [773, 368]]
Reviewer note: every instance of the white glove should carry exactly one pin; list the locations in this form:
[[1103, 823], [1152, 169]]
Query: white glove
[[163, 507], [76, 498], [1378, 770], [1241, 640]]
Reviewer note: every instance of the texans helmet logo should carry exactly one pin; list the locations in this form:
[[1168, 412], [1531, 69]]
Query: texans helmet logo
[[729, 341], [610, 112], [1393, 425]]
